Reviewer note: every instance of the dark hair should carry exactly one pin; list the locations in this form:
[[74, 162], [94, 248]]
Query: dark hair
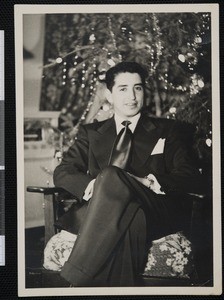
[[124, 67]]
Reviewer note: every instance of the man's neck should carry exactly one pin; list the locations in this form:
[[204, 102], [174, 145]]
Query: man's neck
[[134, 120]]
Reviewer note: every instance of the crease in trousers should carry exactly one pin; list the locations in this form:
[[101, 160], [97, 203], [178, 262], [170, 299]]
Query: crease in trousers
[[123, 216]]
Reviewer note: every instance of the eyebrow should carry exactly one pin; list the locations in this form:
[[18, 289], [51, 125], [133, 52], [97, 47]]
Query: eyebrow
[[124, 85]]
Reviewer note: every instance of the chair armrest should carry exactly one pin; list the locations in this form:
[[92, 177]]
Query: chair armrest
[[44, 190], [50, 206], [197, 196]]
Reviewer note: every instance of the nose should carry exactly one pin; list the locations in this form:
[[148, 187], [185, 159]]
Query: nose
[[132, 94]]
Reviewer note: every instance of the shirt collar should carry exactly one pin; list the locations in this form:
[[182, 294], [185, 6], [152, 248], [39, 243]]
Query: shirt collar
[[119, 120]]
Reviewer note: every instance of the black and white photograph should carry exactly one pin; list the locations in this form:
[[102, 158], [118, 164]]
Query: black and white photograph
[[118, 149]]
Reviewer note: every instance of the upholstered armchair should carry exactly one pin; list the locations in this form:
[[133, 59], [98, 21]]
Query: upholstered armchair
[[174, 260]]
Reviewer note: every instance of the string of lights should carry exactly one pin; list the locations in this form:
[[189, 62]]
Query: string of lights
[[144, 38]]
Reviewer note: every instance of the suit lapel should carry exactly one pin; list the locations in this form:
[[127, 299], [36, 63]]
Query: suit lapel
[[102, 142], [145, 138]]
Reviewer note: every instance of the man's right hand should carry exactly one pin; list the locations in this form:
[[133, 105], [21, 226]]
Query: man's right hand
[[89, 190]]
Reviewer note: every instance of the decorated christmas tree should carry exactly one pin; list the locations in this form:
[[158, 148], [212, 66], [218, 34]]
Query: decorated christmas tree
[[173, 47]]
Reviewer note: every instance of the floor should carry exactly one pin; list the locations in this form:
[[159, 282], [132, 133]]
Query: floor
[[36, 276], [34, 246]]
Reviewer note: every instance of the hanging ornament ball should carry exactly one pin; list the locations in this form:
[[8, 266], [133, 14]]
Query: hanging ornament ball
[[92, 37], [198, 40], [59, 60], [181, 57], [208, 142], [201, 83], [111, 62], [172, 110]]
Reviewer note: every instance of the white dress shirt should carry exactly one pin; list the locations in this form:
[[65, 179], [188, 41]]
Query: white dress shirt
[[133, 120]]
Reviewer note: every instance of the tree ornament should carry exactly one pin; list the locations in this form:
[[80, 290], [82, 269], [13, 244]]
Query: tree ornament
[[208, 142], [201, 83], [59, 60], [181, 57], [92, 37], [172, 110]]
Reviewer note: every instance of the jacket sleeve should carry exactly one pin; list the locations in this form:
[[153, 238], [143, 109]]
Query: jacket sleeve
[[72, 173], [182, 172]]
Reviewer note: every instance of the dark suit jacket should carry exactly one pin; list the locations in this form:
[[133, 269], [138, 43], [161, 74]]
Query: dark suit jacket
[[173, 168]]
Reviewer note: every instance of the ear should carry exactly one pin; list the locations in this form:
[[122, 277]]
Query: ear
[[109, 96]]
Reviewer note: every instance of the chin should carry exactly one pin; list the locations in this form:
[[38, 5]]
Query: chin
[[129, 114], [132, 113]]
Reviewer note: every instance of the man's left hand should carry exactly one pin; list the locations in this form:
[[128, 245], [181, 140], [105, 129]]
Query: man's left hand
[[150, 182]]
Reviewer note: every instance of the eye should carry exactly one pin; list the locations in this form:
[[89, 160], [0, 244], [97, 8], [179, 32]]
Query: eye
[[138, 88], [124, 89]]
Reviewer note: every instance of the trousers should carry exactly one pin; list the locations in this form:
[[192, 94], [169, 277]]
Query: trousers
[[121, 220]]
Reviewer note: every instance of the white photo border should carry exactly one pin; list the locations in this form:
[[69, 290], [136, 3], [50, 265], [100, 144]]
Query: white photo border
[[19, 11]]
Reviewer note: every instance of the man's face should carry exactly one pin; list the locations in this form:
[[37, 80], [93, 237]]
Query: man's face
[[127, 94]]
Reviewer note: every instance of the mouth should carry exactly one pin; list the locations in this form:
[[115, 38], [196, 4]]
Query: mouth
[[131, 104]]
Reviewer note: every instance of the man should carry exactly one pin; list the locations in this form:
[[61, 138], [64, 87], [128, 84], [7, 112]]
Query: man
[[131, 199]]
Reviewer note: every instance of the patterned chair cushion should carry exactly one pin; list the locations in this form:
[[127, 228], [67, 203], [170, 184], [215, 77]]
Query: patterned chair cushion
[[170, 256], [58, 249]]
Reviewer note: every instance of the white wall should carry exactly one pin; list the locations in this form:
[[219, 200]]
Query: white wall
[[33, 41], [36, 157]]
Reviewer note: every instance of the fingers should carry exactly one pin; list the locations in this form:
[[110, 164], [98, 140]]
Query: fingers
[[89, 190]]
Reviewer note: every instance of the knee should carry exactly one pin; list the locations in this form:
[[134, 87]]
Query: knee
[[110, 171], [109, 174], [111, 181]]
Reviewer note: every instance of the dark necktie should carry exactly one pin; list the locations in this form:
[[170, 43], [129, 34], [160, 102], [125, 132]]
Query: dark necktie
[[122, 147]]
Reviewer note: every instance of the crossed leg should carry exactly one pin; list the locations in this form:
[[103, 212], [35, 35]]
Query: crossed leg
[[112, 241]]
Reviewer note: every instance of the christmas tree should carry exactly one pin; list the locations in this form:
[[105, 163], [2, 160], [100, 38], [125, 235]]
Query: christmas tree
[[173, 47]]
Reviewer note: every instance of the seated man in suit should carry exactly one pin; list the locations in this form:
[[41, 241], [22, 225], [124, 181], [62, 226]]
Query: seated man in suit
[[134, 171]]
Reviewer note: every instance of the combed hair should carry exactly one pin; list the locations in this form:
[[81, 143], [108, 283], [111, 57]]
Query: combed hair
[[124, 67]]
